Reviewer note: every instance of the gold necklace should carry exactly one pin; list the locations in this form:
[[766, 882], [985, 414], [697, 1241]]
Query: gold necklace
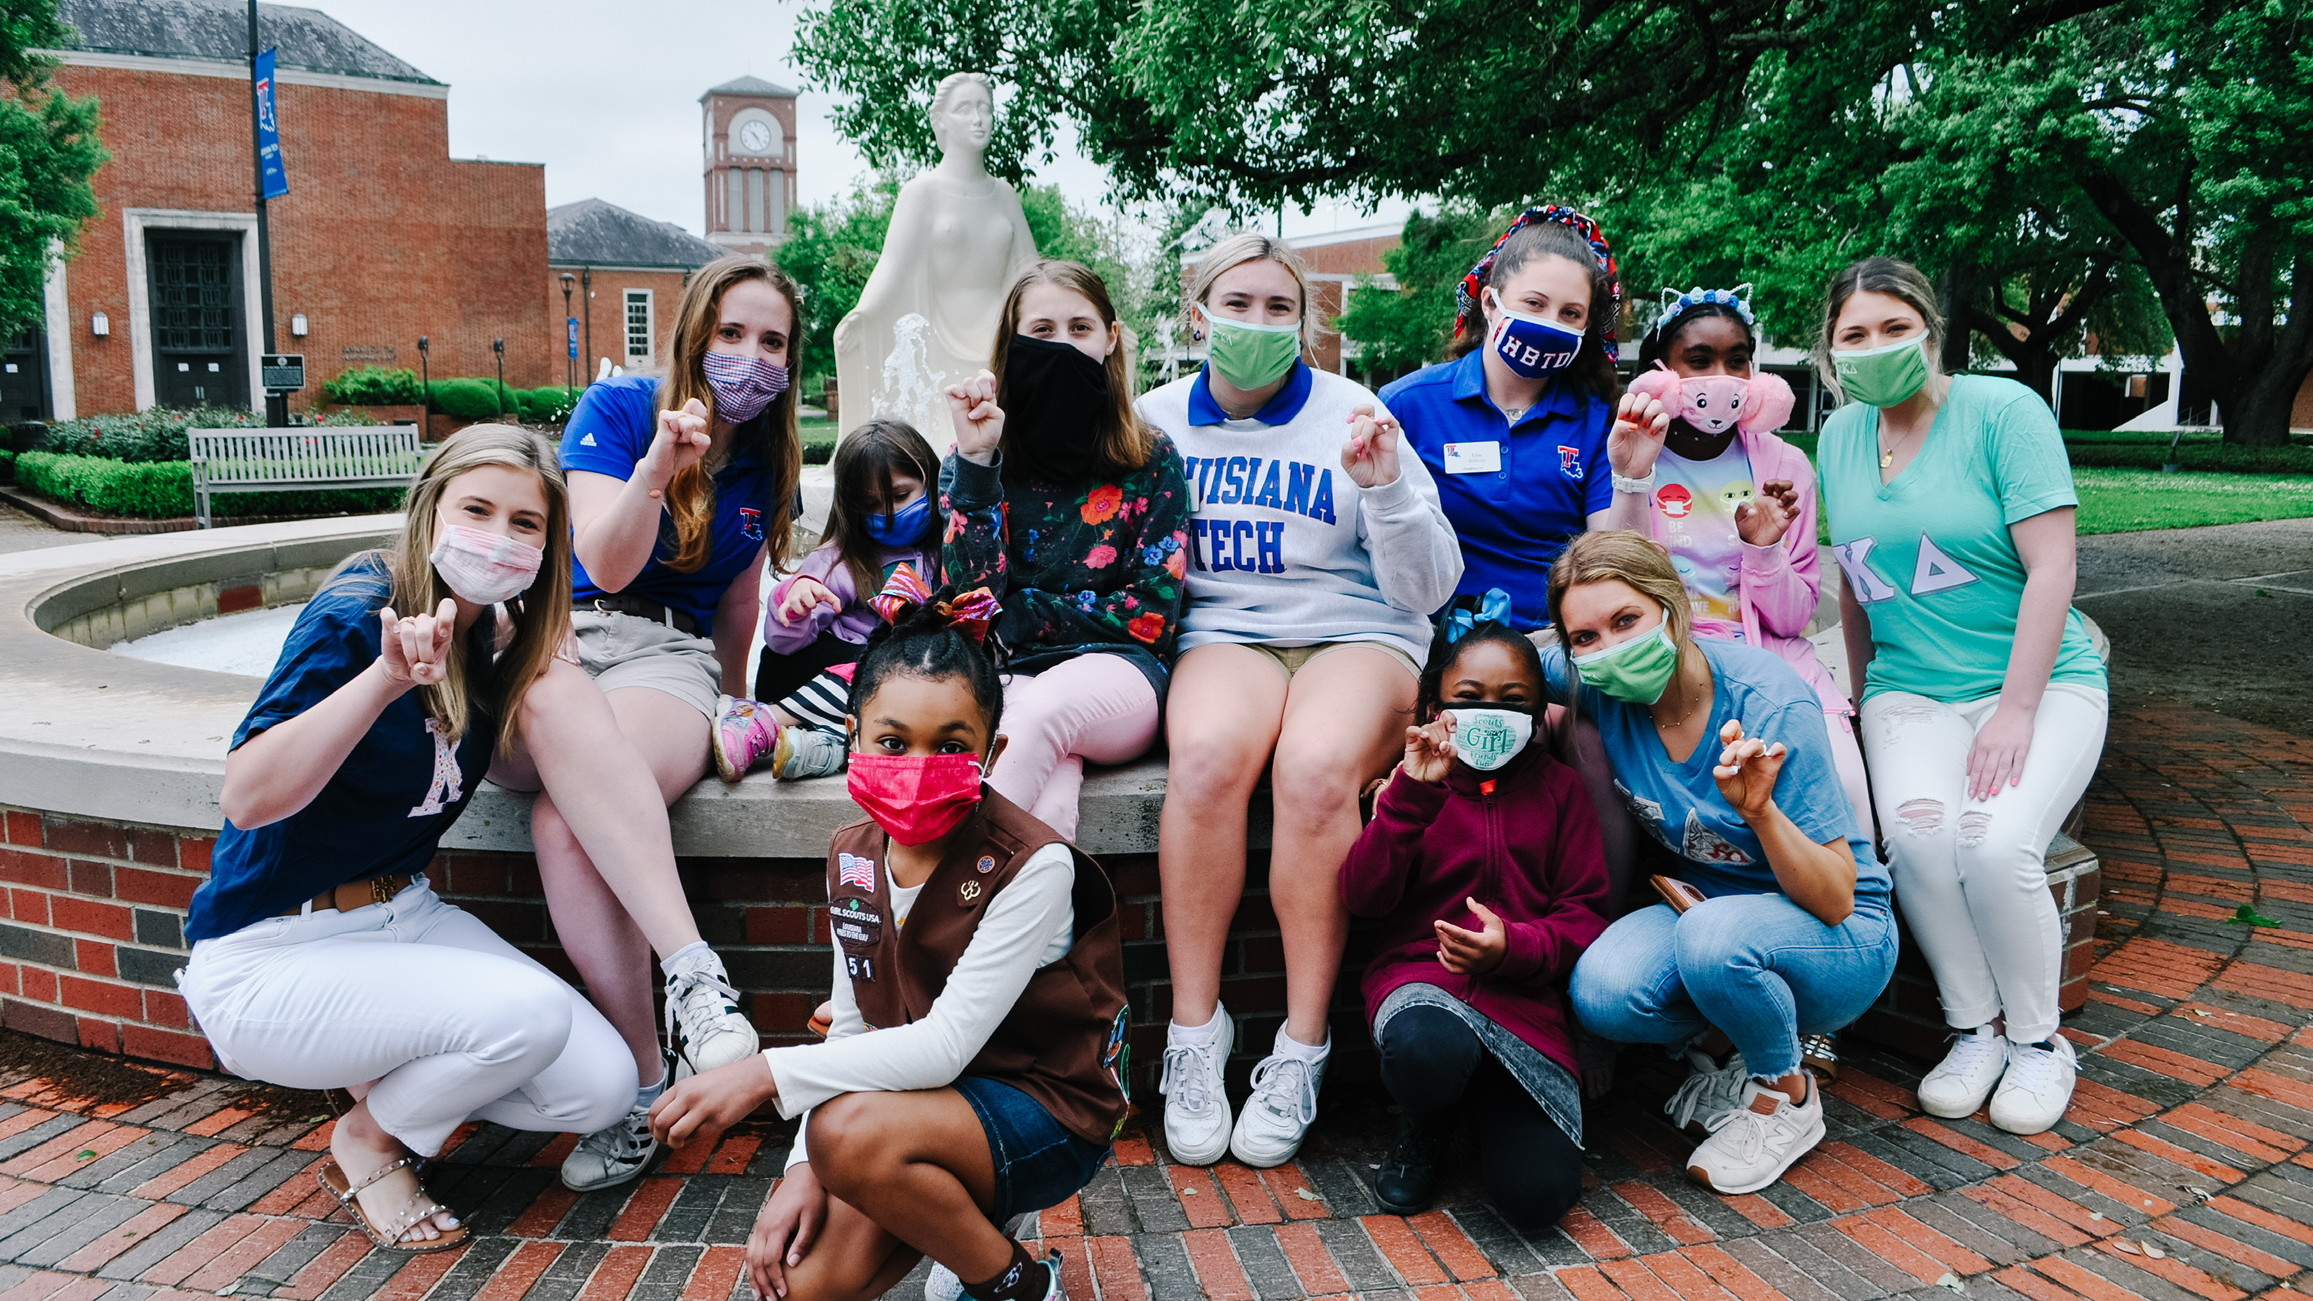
[[1681, 721], [1886, 453]]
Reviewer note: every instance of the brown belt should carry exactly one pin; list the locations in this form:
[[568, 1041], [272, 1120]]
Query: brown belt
[[641, 608], [357, 894]]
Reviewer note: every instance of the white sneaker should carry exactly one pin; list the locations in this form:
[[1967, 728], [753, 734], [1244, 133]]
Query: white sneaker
[[1196, 1107], [1277, 1115], [2037, 1088], [609, 1157], [1966, 1076], [704, 1027], [1755, 1143], [1709, 1090]]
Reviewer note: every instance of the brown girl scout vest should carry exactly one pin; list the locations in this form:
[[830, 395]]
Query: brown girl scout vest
[[1063, 1041]]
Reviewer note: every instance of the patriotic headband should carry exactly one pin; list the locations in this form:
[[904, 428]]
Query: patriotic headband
[[1466, 297], [1676, 304]]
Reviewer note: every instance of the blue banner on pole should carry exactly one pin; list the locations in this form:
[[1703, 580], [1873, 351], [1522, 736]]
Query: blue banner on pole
[[572, 323], [268, 129]]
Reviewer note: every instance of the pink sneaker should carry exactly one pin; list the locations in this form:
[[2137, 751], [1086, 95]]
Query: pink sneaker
[[745, 732]]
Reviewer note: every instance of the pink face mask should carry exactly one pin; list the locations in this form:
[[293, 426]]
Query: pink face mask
[[484, 567], [743, 386], [1710, 403], [915, 798]]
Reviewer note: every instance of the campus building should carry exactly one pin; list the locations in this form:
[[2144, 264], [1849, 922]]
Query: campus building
[[620, 275]]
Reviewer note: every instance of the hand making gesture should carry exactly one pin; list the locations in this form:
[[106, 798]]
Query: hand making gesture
[[681, 442], [1747, 770], [802, 594], [1640, 425], [415, 650], [1429, 749], [1763, 520], [1370, 455], [978, 420]]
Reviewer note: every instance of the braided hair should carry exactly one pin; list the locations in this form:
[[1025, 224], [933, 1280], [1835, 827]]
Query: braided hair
[[1447, 649], [927, 642]]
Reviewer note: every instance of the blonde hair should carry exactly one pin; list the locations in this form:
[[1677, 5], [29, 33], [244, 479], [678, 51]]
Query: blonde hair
[[691, 496], [1634, 558], [1897, 279], [1123, 443], [541, 615], [1253, 246]]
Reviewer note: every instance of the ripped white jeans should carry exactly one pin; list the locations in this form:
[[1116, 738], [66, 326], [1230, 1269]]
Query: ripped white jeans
[[1970, 875]]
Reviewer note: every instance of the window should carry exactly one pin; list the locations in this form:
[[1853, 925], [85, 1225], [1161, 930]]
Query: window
[[638, 327]]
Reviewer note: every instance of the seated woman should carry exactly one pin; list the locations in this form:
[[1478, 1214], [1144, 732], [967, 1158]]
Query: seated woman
[[1482, 862], [1777, 923], [973, 1072], [322, 959], [1310, 594]]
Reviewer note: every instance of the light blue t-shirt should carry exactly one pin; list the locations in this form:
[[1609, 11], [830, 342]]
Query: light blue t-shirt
[[1679, 803]]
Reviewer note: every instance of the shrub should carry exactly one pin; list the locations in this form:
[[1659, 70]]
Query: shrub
[[373, 386], [164, 489], [546, 406], [7, 466], [474, 399], [159, 434]]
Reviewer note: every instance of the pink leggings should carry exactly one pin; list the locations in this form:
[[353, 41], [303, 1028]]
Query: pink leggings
[[1094, 707]]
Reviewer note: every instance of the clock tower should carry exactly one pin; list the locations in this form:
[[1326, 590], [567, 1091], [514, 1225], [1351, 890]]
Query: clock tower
[[747, 128]]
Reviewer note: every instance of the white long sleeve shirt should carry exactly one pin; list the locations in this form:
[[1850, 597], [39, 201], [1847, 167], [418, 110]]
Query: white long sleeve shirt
[[1030, 924]]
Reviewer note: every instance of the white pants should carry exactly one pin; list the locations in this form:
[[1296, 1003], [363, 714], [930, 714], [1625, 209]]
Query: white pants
[[1971, 875], [450, 1021]]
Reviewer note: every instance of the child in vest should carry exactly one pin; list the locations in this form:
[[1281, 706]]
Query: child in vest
[[974, 1070], [882, 535], [1483, 862]]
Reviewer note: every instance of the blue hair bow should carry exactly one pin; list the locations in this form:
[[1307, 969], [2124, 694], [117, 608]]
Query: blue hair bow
[[1494, 607]]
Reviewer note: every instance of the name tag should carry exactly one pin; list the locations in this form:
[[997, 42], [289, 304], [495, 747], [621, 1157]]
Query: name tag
[[1473, 458]]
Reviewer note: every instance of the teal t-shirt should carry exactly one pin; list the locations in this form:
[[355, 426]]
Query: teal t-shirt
[[1928, 554]]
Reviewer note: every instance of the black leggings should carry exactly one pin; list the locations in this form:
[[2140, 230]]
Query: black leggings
[[1431, 1062]]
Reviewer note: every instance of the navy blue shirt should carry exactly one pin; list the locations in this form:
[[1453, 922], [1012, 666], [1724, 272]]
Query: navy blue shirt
[[387, 806], [609, 433], [1540, 481]]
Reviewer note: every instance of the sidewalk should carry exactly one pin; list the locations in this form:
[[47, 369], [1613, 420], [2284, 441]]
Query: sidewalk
[[2184, 1171]]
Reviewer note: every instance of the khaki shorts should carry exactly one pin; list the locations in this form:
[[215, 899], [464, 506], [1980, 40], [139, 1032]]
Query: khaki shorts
[[1292, 659], [625, 650]]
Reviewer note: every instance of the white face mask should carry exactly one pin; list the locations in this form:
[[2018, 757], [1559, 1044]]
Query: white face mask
[[483, 567], [1488, 736]]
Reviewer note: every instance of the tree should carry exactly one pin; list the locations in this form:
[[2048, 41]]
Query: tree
[[828, 253], [49, 150], [1401, 329]]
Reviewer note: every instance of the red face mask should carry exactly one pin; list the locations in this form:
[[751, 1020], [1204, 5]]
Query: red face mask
[[915, 798]]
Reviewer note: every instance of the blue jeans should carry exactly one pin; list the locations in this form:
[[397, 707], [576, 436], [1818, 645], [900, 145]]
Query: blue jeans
[[1039, 1163], [1757, 966]]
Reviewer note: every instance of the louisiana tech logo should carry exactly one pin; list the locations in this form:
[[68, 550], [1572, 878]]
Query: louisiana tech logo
[[750, 524], [1570, 461]]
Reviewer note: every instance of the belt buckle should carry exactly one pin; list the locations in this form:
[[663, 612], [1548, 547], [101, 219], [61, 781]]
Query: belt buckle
[[380, 891]]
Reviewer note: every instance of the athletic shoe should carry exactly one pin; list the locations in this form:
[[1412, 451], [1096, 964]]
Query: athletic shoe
[[807, 752], [1754, 1144], [609, 1157], [943, 1285], [1708, 1091], [1407, 1182], [1820, 1054], [1196, 1107], [1966, 1076], [2038, 1086], [1277, 1116], [744, 732], [704, 1027]]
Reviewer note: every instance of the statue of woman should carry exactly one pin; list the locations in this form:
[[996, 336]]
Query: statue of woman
[[927, 317]]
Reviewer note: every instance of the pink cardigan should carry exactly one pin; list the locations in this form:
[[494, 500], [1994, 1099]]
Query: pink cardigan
[[1781, 585]]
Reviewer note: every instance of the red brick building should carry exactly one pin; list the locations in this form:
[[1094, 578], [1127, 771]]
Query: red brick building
[[1336, 261], [626, 275], [747, 134]]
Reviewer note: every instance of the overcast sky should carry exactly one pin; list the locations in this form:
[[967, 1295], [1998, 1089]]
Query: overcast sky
[[607, 95]]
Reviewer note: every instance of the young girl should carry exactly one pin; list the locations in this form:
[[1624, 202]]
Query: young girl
[[1072, 510], [974, 1071], [1483, 862], [1734, 503], [322, 959], [881, 529], [1983, 700], [1319, 554]]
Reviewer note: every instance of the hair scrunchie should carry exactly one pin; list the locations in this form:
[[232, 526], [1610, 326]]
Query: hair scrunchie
[[1466, 296]]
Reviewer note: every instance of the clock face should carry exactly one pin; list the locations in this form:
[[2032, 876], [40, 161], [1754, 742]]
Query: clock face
[[755, 137]]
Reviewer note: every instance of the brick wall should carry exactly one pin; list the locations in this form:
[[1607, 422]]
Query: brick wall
[[610, 286]]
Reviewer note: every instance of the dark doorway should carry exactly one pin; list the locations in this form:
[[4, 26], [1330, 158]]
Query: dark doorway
[[24, 377], [200, 334]]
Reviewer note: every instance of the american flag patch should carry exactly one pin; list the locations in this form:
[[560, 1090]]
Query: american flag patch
[[854, 871]]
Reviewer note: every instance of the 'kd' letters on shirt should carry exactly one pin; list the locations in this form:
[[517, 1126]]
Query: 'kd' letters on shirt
[[449, 785], [1933, 571]]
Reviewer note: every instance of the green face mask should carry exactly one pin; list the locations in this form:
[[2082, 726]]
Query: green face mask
[[1250, 356], [1638, 670], [1884, 376]]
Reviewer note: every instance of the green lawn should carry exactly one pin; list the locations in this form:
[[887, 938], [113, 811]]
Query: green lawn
[[2122, 501]]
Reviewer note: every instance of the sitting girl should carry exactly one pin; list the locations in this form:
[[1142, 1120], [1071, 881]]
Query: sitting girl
[[974, 1069], [880, 526], [322, 959], [1465, 994]]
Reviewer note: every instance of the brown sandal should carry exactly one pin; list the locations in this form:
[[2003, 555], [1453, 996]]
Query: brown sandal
[[419, 1207]]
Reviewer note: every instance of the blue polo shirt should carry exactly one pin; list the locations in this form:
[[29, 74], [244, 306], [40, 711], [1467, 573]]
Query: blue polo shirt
[[1278, 410], [1542, 478], [609, 433]]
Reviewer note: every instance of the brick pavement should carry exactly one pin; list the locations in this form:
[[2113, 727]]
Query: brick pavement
[[2183, 1172]]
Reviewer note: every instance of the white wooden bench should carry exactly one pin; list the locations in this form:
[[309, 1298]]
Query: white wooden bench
[[300, 459]]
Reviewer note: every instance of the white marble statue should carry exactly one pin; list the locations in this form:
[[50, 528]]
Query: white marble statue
[[927, 317]]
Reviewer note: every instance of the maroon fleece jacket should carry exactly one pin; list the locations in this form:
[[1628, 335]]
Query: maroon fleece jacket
[[1524, 841]]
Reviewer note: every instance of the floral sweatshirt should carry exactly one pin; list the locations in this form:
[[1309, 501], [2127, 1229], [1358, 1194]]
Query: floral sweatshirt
[[1091, 567]]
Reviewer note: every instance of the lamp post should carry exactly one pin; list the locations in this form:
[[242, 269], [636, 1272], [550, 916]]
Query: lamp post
[[276, 404], [569, 362], [425, 390], [586, 282], [498, 346]]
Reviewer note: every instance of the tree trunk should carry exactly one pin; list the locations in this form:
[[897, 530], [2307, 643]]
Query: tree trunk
[[2036, 370], [2258, 415]]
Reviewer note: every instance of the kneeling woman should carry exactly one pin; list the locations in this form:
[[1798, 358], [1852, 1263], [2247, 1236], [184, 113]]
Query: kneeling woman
[[1777, 924], [972, 1071], [322, 959]]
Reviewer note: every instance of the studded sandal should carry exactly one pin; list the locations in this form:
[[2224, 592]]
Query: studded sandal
[[415, 1211]]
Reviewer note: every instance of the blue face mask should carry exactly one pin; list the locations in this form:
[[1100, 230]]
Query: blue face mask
[[1531, 346], [903, 526]]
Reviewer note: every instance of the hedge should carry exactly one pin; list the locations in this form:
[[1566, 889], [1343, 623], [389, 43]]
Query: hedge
[[164, 489], [372, 386], [7, 466], [159, 434]]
